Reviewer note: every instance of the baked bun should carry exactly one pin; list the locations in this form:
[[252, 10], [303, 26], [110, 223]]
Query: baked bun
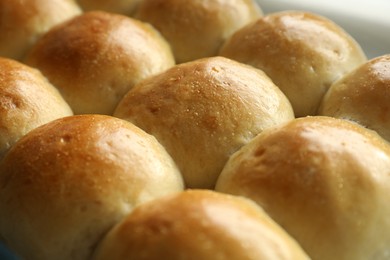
[[27, 100], [65, 184], [302, 53], [203, 111], [325, 180], [126, 7], [201, 225], [362, 96], [197, 28], [23, 22], [95, 58]]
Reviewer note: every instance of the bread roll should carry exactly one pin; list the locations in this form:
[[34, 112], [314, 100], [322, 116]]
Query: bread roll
[[23, 22], [325, 180], [126, 7], [303, 53], [27, 100], [197, 28], [199, 225], [95, 58], [203, 111], [362, 96], [65, 184]]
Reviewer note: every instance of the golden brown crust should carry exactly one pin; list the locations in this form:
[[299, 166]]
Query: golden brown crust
[[197, 28], [27, 100], [324, 180], [363, 96], [203, 111], [126, 7], [63, 185], [198, 224], [23, 22], [95, 58], [302, 53]]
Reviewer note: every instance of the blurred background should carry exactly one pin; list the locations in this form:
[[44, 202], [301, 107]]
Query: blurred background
[[367, 21]]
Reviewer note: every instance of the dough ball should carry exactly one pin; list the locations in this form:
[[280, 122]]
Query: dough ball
[[27, 100], [363, 96], [198, 225], [197, 28], [25, 21], [95, 58], [66, 183], [324, 180], [303, 53], [203, 111]]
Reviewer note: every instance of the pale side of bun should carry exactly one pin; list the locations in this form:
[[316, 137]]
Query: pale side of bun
[[65, 184], [95, 58], [27, 100], [198, 225], [197, 28], [203, 111], [303, 53], [325, 180], [126, 7], [363, 96], [23, 22]]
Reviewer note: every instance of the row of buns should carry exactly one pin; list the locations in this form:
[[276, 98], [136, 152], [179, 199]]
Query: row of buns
[[96, 186], [200, 130], [95, 57]]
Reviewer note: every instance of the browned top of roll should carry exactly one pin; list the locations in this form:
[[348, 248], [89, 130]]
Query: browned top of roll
[[197, 28], [363, 96], [95, 58], [202, 111], [325, 180], [27, 100], [23, 22], [198, 224], [64, 184], [303, 53]]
